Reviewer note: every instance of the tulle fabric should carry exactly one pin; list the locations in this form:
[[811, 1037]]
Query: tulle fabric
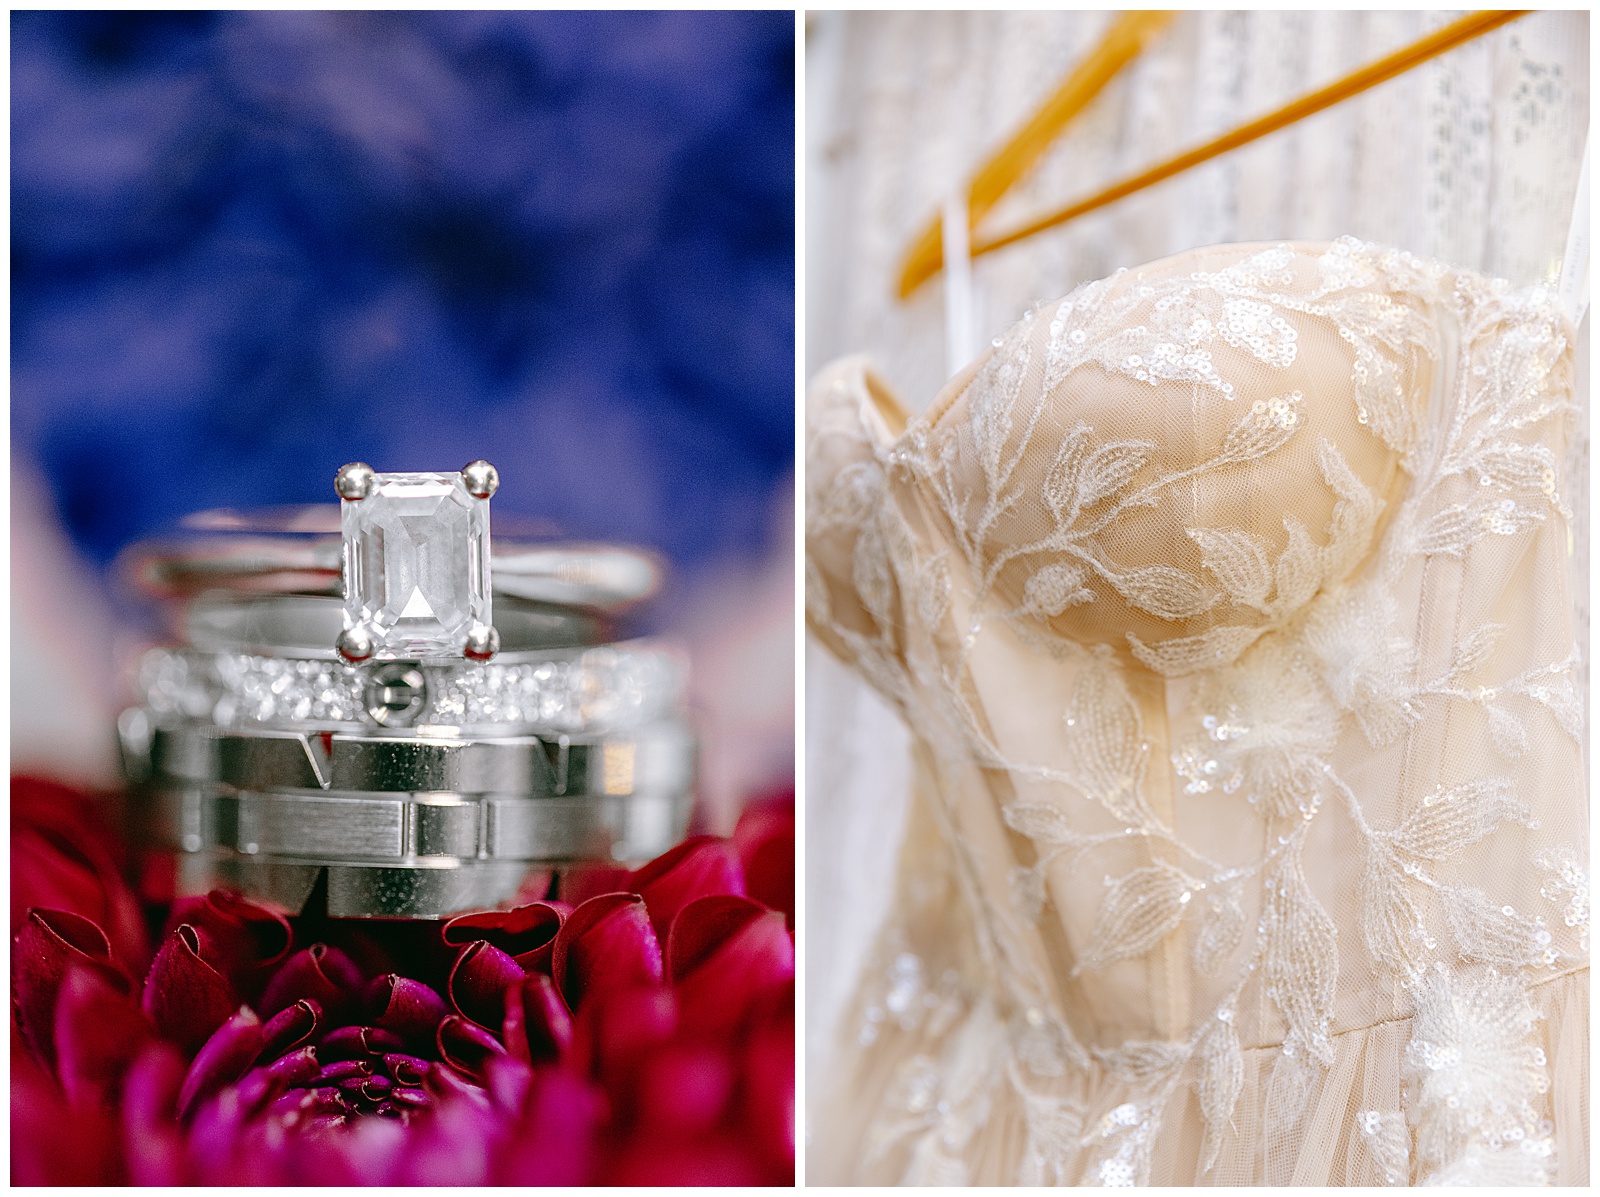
[[1328, 1150]]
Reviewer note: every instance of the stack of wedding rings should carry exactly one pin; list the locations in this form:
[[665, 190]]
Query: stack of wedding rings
[[399, 721]]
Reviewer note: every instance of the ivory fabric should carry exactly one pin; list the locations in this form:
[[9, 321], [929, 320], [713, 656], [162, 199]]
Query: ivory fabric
[[1471, 158], [1227, 601]]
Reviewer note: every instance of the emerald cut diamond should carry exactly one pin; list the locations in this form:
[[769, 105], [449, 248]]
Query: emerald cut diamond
[[416, 566]]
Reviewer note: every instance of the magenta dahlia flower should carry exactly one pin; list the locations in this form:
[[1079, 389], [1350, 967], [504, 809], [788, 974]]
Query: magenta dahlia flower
[[639, 1035]]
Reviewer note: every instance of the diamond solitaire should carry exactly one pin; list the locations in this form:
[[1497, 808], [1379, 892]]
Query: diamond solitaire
[[416, 564]]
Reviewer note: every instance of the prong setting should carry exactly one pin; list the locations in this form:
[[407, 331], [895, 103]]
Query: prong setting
[[481, 479], [355, 644], [355, 481], [483, 642]]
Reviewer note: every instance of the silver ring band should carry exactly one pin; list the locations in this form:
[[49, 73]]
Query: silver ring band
[[298, 550], [652, 758]]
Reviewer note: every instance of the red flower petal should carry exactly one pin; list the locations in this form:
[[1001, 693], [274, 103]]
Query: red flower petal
[[232, 1048], [50, 1143], [322, 973], [479, 981], [220, 1123], [683, 1088], [537, 1027], [767, 1092], [616, 1030], [466, 1047], [580, 884], [288, 1029], [509, 1081], [65, 856], [606, 946], [659, 1160], [765, 840], [152, 1139], [728, 956], [48, 943], [247, 939], [447, 1085], [406, 1070], [358, 1043], [408, 1008], [296, 1068], [697, 868], [554, 1141], [99, 1032], [525, 933], [184, 995]]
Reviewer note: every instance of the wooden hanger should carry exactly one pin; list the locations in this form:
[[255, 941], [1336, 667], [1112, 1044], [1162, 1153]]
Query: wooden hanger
[[923, 265], [1122, 43]]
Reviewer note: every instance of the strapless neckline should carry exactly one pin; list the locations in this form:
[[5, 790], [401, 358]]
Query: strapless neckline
[[1227, 602]]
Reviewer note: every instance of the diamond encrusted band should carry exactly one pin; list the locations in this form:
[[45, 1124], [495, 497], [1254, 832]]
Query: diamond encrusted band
[[571, 692]]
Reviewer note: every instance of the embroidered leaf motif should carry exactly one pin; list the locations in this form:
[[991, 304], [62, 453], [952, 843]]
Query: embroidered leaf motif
[[1456, 528], [1108, 469], [1055, 588], [1041, 823], [933, 590], [1561, 696], [1452, 819], [1239, 560], [1185, 654], [1496, 935], [871, 575], [1163, 591], [1509, 736], [1476, 647], [1302, 956], [990, 406], [1299, 569], [1221, 1079], [1448, 532], [1355, 515], [1041, 1042], [1106, 747], [1139, 910], [1060, 491], [1390, 921], [1220, 933], [1511, 466], [1027, 891], [1248, 440], [1143, 1061]]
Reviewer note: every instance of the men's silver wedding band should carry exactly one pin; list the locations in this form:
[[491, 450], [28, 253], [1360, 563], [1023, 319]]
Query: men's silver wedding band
[[401, 826]]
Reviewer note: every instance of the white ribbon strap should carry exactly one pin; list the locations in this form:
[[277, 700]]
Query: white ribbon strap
[[958, 316], [1574, 287]]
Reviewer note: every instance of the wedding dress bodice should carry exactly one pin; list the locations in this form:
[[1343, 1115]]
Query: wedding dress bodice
[[1227, 601]]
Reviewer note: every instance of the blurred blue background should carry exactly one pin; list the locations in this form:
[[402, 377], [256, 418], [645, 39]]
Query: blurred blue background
[[248, 247]]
